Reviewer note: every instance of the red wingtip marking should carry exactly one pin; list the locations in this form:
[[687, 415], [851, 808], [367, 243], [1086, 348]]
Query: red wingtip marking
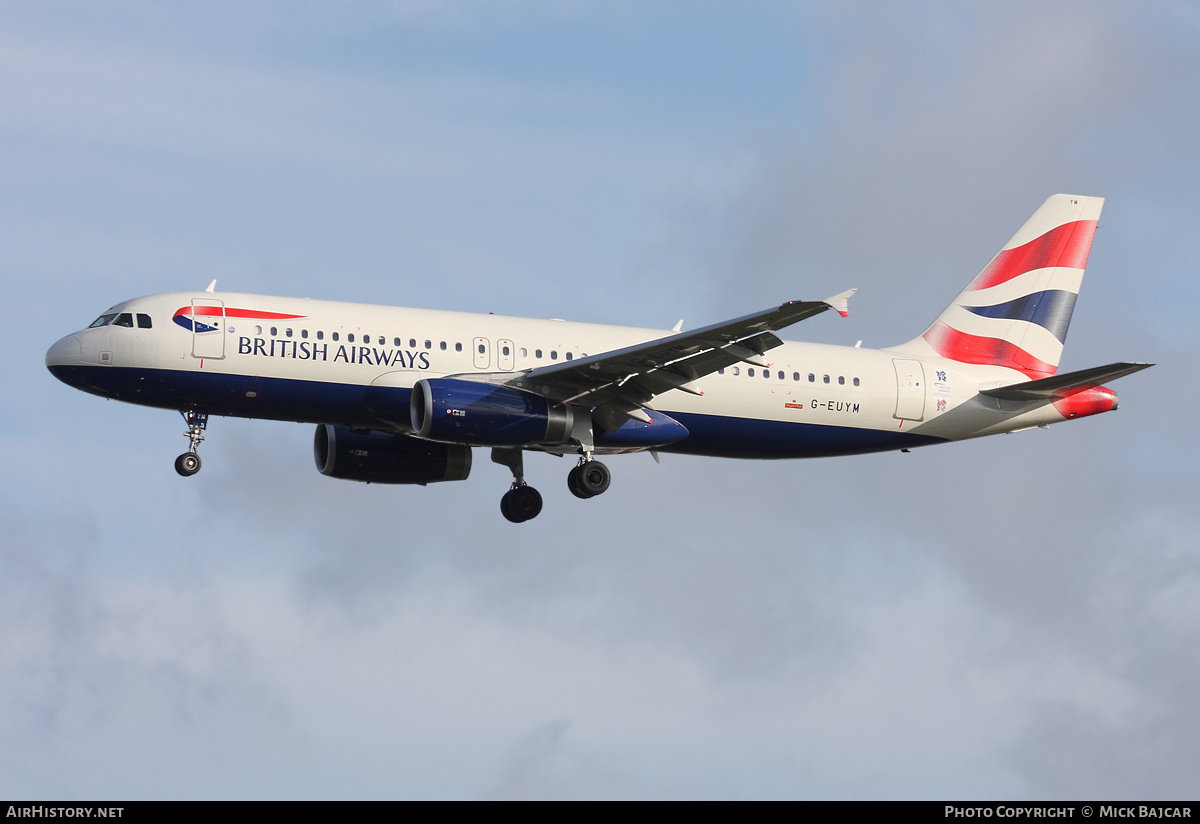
[[843, 313]]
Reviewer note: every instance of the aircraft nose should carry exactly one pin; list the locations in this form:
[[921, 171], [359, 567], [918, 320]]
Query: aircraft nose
[[67, 352], [63, 357]]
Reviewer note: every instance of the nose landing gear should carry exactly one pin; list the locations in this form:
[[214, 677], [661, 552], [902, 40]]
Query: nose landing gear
[[188, 463]]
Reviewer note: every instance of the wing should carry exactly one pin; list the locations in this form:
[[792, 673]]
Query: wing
[[619, 383]]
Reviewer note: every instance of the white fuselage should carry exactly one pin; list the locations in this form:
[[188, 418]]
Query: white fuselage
[[312, 361]]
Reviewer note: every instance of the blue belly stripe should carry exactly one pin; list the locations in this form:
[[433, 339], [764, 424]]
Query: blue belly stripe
[[356, 405]]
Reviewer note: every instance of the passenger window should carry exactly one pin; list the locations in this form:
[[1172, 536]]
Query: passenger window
[[569, 356], [856, 381], [524, 352], [812, 378], [553, 354], [457, 347], [482, 348], [750, 371], [537, 353], [287, 332], [412, 343], [124, 319], [795, 376], [274, 331], [826, 379], [395, 341], [721, 371], [304, 334], [320, 334], [767, 374], [335, 336], [428, 344], [841, 380], [442, 346], [143, 321], [258, 330], [350, 338], [737, 371]]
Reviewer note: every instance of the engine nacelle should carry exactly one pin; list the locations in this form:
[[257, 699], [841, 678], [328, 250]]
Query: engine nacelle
[[445, 409], [386, 458]]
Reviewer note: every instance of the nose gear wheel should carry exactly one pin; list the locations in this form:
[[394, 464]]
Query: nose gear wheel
[[188, 463]]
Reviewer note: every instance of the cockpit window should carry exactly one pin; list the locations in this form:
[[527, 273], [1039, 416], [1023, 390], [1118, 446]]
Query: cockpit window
[[124, 319], [143, 321], [103, 320]]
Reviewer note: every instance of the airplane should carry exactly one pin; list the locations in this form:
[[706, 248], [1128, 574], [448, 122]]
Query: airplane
[[402, 396]]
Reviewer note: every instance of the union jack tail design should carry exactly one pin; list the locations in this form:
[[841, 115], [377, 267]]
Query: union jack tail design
[[1016, 311]]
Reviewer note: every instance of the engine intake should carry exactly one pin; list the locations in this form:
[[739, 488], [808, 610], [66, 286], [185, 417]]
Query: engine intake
[[386, 458], [446, 409]]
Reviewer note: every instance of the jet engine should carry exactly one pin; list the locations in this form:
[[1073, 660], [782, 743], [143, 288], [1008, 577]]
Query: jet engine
[[386, 458], [446, 409]]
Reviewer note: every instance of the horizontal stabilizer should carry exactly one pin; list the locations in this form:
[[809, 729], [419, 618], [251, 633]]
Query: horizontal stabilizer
[[1060, 386]]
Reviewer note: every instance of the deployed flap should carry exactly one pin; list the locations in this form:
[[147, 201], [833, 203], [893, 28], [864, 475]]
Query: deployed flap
[[1060, 386]]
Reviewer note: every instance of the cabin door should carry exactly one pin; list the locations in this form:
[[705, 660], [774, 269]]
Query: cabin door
[[208, 329], [910, 389]]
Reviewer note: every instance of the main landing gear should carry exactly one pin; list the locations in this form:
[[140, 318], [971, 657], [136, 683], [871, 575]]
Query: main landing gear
[[188, 463], [589, 478], [522, 502]]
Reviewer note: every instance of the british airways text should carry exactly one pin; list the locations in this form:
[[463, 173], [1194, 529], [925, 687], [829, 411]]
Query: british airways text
[[307, 350]]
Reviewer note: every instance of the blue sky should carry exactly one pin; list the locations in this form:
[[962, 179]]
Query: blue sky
[[1009, 618]]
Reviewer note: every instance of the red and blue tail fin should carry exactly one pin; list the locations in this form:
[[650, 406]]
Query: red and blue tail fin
[[1016, 311]]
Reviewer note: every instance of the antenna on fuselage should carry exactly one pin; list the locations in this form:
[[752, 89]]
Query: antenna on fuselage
[[212, 286]]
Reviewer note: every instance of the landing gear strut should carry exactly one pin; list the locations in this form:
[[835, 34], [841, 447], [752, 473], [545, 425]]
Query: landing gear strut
[[188, 463], [589, 478], [522, 502]]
